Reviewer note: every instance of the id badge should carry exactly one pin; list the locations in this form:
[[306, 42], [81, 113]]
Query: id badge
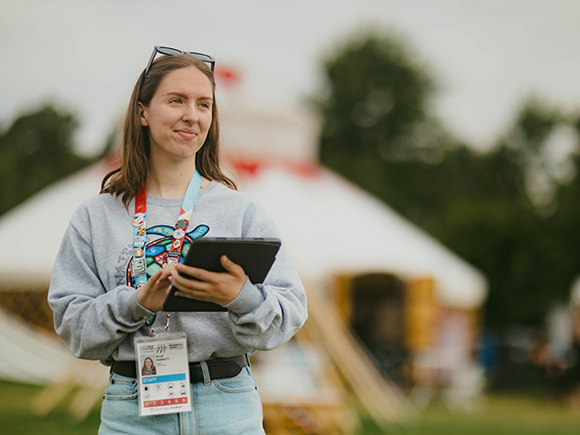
[[163, 373]]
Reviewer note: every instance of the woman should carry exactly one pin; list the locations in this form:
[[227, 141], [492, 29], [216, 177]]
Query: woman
[[112, 276], [148, 368]]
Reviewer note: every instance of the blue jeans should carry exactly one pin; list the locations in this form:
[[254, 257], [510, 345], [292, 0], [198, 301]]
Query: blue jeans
[[219, 406]]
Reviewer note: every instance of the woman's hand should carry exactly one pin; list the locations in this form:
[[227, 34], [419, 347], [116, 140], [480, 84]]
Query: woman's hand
[[219, 287], [153, 294]]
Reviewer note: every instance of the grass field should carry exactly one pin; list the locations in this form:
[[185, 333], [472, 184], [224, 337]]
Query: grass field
[[499, 415], [17, 418]]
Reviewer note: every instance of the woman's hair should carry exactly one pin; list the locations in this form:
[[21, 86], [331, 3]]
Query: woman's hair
[[135, 150]]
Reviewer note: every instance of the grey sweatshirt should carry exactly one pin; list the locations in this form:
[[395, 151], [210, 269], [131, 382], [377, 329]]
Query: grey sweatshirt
[[95, 307]]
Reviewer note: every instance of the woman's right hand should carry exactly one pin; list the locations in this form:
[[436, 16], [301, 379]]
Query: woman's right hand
[[153, 294]]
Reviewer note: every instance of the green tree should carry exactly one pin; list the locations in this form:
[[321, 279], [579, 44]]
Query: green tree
[[36, 150], [563, 245], [374, 109], [493, 208]]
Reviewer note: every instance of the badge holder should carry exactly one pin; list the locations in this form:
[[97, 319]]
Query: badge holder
[[163, 373]]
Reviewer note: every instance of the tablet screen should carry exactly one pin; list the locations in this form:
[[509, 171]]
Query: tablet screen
[[255, 255]]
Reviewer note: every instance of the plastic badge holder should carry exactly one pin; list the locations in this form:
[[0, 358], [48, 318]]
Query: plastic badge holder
[[255, 255]]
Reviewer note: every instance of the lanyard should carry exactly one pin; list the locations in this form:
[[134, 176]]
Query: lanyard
[[139, 263]]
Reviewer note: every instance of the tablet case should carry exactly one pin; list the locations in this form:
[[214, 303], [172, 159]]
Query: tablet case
[[255, 255]]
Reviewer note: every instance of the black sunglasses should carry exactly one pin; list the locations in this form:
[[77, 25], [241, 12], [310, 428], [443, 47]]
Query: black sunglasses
[[168, 51]]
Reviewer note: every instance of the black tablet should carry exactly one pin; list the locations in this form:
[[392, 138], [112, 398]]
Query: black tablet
[[255, 255]]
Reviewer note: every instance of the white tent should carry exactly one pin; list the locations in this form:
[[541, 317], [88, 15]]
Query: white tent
[[328, 224], [33, 230], [332, 226], [29, 353]]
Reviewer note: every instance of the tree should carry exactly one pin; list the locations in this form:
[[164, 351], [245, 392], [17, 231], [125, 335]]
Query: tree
[[374, 109], [493, 208], [35, 151]]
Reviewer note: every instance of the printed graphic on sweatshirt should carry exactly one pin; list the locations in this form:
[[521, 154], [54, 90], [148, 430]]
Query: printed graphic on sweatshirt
[[159, 242]]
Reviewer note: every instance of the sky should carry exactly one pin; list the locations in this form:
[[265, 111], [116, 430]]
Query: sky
[[486, 57]]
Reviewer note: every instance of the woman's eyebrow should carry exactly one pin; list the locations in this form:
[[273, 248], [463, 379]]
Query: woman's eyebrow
[[175, 94], [186, 96]]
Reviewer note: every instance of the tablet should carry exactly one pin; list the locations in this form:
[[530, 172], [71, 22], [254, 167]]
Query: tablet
[[255, 255]]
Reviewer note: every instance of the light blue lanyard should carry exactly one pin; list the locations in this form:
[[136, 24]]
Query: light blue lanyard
[[139, 263]]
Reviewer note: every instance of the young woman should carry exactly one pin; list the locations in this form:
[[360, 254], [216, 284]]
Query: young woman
[[123, 248], [148, 367]]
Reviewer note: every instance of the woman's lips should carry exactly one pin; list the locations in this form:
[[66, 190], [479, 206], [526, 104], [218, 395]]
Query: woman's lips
[[187, 134]]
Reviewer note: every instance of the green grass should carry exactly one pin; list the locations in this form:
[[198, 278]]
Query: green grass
[[16, 416], [498, 415]]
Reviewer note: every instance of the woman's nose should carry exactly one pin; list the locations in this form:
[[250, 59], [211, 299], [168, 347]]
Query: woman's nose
[[190, 113]]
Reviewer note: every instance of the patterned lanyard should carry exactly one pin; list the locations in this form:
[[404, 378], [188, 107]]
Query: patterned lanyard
[[139, 263]]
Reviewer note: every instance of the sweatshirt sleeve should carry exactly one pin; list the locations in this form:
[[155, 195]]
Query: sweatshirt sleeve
[[267, 315], [91, 319]]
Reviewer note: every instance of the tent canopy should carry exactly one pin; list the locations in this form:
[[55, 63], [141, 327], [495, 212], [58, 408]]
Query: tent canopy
[[33, 230], [330, 226]]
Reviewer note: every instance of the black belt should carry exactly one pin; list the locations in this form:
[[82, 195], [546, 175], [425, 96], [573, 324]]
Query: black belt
[[218, 368]]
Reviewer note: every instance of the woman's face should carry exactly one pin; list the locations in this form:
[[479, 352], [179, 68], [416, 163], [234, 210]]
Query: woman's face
[[148, 363], [179, 115]]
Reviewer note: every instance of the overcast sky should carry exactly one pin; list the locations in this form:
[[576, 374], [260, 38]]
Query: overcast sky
[[487, 56]]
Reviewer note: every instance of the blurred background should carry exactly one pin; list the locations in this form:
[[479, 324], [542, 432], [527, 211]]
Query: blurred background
[[420, 159]]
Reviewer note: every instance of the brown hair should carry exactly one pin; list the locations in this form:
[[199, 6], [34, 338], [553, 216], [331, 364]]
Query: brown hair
[[128, 179]]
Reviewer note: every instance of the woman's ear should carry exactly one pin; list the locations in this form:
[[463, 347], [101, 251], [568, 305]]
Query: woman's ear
[[143, 114]]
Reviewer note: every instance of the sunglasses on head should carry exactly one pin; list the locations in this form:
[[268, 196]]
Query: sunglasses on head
[[168, 51]]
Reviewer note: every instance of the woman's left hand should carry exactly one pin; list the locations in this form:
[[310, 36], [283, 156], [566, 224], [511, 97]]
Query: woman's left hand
[[219, 287]]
